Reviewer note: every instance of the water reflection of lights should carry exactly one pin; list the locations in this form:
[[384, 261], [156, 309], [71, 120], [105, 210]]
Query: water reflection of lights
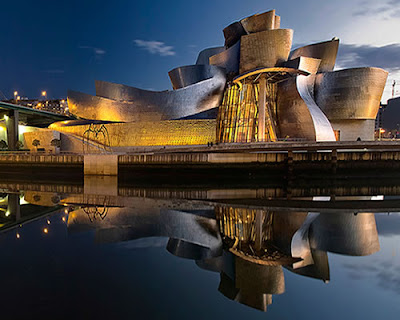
[[45, 230], [23, 201]]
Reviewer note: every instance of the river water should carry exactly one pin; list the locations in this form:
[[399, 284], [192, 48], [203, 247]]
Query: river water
[[94, 250]]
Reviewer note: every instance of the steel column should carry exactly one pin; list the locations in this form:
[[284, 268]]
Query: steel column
[[12, 129], [261, 108]]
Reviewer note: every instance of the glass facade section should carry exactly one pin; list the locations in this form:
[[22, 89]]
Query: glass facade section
[[239, 113]]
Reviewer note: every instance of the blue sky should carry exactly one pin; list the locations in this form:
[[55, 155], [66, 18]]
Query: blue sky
[[61, 45]]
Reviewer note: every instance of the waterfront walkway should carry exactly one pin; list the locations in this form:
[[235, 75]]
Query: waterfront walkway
[[283, 156]]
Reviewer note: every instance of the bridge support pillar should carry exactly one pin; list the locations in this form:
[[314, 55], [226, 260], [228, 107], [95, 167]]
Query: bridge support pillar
[[12, 129], [14, 207]]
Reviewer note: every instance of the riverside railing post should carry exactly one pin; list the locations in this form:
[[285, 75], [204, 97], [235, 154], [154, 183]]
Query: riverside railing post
[[261, 108], [12, 129]]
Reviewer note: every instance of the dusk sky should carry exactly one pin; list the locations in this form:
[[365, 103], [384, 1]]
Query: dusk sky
[[61, 45]]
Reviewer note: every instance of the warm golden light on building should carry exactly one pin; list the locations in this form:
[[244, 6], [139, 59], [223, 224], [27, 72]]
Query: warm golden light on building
[[237, 116]]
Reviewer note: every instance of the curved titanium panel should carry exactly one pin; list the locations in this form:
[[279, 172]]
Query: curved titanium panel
[[319, 269], [115, 102], [233, 33], [259, 278], [204, 55], [322, 126], [187, 250], [123, 224], [309, 65], [277, 22], [259, 22], [256, 300], [325, 51], [228, 59], [350, 93], [293, 116], [187, 75], [345, 233], [265, 49], [97, 108]]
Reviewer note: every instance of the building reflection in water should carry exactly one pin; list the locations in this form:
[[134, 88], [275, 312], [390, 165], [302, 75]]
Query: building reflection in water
[[262, 242], [248, 247], [247, 236]]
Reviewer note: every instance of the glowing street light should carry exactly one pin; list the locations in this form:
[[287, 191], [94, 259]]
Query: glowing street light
[[381, 130], [15, 95], [44, 94]]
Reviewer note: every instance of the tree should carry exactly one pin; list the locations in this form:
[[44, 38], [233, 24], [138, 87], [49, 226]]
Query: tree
[[19, 145], [36, 143], [3, 144], [55, 143]]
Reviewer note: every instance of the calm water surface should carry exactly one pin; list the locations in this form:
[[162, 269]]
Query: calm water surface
[[97, 251]]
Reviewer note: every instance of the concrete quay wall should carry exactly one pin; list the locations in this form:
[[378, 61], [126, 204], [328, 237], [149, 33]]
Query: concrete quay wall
[[111, 164]]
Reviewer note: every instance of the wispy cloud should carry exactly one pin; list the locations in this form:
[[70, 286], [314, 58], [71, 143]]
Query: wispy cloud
[[155, 47], [97, 53], [385, 274], [386, 57], [389, 9]]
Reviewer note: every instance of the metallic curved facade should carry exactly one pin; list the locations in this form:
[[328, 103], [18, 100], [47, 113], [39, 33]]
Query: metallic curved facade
[[185, 76], [175, 104], [345, 233], [293, 116], [351, 93], [325, 51], [98, 108], [233, 33], [228, 59], [259, 22], [265, 49], [204, 55], [310, 102], [322, 126], [115, 102], [305, 64], [253, 24], [298, 115]]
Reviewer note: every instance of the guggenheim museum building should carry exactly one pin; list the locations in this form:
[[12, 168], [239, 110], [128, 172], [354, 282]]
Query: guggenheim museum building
[[255, 88]]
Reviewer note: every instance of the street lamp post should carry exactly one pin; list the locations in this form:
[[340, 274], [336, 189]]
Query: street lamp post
[[44, 94], [15, 95]]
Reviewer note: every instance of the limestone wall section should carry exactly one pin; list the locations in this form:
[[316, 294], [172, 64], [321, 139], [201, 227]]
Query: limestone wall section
[[157, 133]]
